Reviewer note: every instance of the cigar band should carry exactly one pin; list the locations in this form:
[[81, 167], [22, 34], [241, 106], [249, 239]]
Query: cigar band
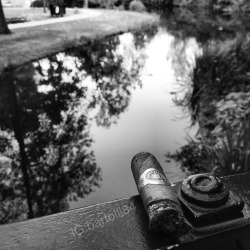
[[152, 176]]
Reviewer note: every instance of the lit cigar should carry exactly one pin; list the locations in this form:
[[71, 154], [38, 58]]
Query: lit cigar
[[158, 197]]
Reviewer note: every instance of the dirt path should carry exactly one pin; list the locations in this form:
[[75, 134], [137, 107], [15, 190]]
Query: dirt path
[[34, 40]]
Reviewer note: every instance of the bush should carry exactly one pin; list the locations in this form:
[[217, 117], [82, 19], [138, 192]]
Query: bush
[[220, 103], [37, 4], [137, 5]]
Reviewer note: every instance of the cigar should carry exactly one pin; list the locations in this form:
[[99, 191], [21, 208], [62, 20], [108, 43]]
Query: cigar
[[159, 199]]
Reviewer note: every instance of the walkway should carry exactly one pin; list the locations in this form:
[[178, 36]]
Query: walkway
[[82, 15]]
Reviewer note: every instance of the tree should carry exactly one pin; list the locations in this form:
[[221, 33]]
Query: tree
[[46, 112], [3, 24], [45, 146], [115, 73], [44, 6]]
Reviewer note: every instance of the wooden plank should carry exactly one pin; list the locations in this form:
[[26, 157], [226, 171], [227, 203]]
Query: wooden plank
[[123, 224]]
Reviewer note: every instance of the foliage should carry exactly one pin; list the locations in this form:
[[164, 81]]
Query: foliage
[[37, 4], [61, 167], [137, 5], [228, 143], [223, 152], [231, 7], [55, 2], [221, 70], [204, 24], [47, 109], [219, 102], [74, 3], [41, 3], [191, 156], [115, 65], [12, 195]]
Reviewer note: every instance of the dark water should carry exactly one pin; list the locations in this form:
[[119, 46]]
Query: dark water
[[71, 123]]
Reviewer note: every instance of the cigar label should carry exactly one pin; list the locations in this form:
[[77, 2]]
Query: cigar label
[[158, 197], [152, 176]]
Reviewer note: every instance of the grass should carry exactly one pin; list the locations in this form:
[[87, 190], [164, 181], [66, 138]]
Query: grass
[[28, 44], [32, 14]]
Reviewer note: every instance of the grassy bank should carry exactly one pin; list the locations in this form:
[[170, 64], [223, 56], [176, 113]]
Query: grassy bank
[[31, 43]]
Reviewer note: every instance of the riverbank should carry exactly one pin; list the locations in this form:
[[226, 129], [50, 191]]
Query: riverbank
[[35, 40]]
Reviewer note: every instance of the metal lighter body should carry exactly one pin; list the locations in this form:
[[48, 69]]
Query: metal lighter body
[[158, 197]]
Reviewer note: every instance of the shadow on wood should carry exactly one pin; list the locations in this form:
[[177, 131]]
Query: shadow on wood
[[123, 224]]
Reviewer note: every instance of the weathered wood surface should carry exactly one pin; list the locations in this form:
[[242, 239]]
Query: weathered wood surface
[[123, 224]]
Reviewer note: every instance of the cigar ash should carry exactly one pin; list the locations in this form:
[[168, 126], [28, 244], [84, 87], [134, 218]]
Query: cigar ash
[[166, 217]]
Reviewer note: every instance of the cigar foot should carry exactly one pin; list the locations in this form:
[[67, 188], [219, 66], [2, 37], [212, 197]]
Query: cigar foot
[[166, 217]]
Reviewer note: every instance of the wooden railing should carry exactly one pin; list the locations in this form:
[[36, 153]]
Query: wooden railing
[[123, 224]]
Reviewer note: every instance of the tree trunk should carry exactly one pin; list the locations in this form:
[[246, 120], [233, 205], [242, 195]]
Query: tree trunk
[[24, 161], [3, 24], [44, 6]]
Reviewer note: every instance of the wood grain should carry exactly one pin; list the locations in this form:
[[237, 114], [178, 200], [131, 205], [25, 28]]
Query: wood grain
[[123, 224]]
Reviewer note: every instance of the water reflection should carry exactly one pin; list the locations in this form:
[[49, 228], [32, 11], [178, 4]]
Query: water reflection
[[45, 137], [47, 108], [150, 123], [216, 95], [69, 116], [113, 66]]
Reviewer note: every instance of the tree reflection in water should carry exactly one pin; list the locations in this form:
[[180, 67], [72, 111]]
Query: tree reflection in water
[[46, 110]]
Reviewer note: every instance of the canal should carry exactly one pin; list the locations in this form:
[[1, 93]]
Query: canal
[[72, 122]]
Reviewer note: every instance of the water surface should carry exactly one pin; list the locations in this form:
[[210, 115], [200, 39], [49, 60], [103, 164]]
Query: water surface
[[72, 122]]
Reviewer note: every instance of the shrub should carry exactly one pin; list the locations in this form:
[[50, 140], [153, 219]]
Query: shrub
[[37, 4], [137, 5]]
